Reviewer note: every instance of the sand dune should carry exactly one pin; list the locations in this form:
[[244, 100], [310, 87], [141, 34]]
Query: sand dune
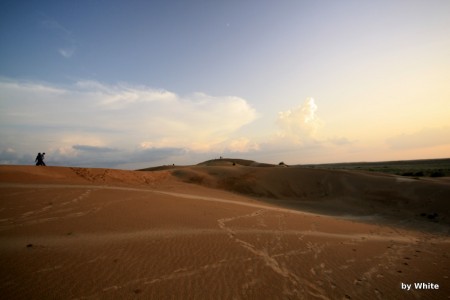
[[218, 231], [333, 192]]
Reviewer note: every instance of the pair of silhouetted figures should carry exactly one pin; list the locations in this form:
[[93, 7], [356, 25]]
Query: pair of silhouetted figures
[[40, 159]]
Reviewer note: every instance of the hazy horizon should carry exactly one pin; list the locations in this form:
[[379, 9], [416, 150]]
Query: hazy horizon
[[130, 85]]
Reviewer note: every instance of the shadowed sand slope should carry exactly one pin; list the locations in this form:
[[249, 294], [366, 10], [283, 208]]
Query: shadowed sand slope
[[333, 192], [75, 233]]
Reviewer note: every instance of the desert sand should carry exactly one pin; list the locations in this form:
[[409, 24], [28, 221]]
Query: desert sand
[[221, 231]]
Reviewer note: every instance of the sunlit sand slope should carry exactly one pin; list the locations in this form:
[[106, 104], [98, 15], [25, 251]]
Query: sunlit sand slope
[[73, 233]]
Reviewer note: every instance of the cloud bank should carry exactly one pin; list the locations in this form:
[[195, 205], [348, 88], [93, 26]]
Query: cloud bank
[[72, 123], [89, 123]]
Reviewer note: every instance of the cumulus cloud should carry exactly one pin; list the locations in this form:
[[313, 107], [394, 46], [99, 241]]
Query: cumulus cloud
[[299, 124], [300, 137], [89, 118], [297, 134]]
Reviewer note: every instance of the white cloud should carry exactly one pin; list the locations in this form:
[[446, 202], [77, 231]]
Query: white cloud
[[130, 119], [94, 124], [299, 125], [67, 52], [121, 95], [65, 36], [300, 138]]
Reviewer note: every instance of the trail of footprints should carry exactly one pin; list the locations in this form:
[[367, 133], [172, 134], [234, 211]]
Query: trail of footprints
[[77, 199], [295, 285], [323, 272], [54, 209]]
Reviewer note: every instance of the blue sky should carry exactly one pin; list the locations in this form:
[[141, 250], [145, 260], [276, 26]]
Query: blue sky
[[129, 84]]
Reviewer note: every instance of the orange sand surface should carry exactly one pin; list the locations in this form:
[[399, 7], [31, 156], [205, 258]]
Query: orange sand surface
[[220, 232]]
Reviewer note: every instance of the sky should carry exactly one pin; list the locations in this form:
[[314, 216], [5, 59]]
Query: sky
[[134, 84]]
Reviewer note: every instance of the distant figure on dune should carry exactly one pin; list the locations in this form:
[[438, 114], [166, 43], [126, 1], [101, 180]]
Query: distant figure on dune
[[40, 159]]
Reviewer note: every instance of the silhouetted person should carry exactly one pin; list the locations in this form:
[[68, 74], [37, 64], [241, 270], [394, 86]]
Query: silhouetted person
[[40, 159]]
